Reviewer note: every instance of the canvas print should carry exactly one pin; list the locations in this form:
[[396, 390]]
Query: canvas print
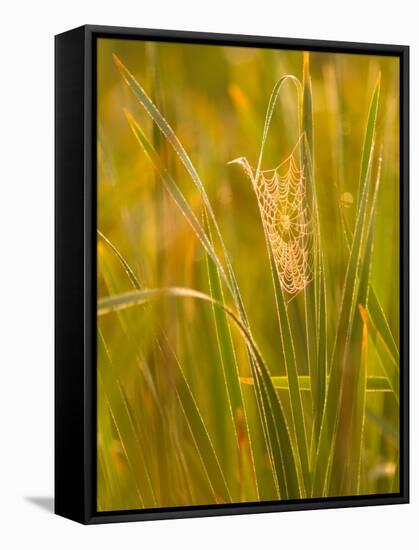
[[248, 295]]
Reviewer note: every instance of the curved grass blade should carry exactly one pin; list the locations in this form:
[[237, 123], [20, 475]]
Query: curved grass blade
[[287, 343], [128, 270], [171, 137], [195, 422], [167, 131], [173, 140], [262, 400], [270, 110], [277, 427]]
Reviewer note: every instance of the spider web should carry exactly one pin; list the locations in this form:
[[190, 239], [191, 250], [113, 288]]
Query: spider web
[[286, 212], [283, 204]]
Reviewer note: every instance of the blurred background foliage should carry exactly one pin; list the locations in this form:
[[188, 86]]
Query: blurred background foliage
[[215, 99]]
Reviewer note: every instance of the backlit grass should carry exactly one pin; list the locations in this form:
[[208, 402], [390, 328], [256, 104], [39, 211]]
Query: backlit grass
[[248, 277]]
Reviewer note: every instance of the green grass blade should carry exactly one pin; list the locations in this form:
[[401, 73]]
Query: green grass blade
[[128, 270], [283, 454], [345, 323], [376, 311], [388, 363], [358, 414], [134, 450], [322, 360], [276, 423], [225, 343], [396, 479], [286, 336], [378, 384], [385, 427], [314, 293], [346, 462], [176, 194], [195, 422], [317, 367], [123, 439], [173, 140], [154, 113], [201, 437], [384, 345], [270, 110], [307, 104], [369, 140], [374, 383], [380, 321], [288, 351], [380, 329], [230, 367], [230, 282], [292, 373], [164, 127]]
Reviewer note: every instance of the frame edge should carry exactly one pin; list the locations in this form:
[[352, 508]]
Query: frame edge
[[69, 478]]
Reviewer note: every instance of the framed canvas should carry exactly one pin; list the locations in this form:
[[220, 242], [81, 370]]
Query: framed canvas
[[232, 287]]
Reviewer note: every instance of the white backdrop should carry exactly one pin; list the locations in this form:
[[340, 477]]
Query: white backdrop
[[26, 274]]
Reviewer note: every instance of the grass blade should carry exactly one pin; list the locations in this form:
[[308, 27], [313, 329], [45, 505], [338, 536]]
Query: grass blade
[[374, 383], [389, 364], [358, 416], [314, 293], [201, 437], [123, 439], [173, 140], [346, 317], [176, 194], [345, 471], [380, 323], [376, 311], [270, 111], [290, 362], [194, 419], [230, 371], [262, 399], [277, 427], [128, 270], [287, 343]]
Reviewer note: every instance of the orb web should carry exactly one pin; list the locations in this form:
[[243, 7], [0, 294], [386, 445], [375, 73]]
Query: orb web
[[283, 203], [287, 218]]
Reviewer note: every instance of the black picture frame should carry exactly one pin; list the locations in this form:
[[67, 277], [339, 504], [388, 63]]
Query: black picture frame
[[75, 272]]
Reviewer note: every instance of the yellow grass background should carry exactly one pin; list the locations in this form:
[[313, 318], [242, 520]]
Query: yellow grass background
[[167, 435]]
